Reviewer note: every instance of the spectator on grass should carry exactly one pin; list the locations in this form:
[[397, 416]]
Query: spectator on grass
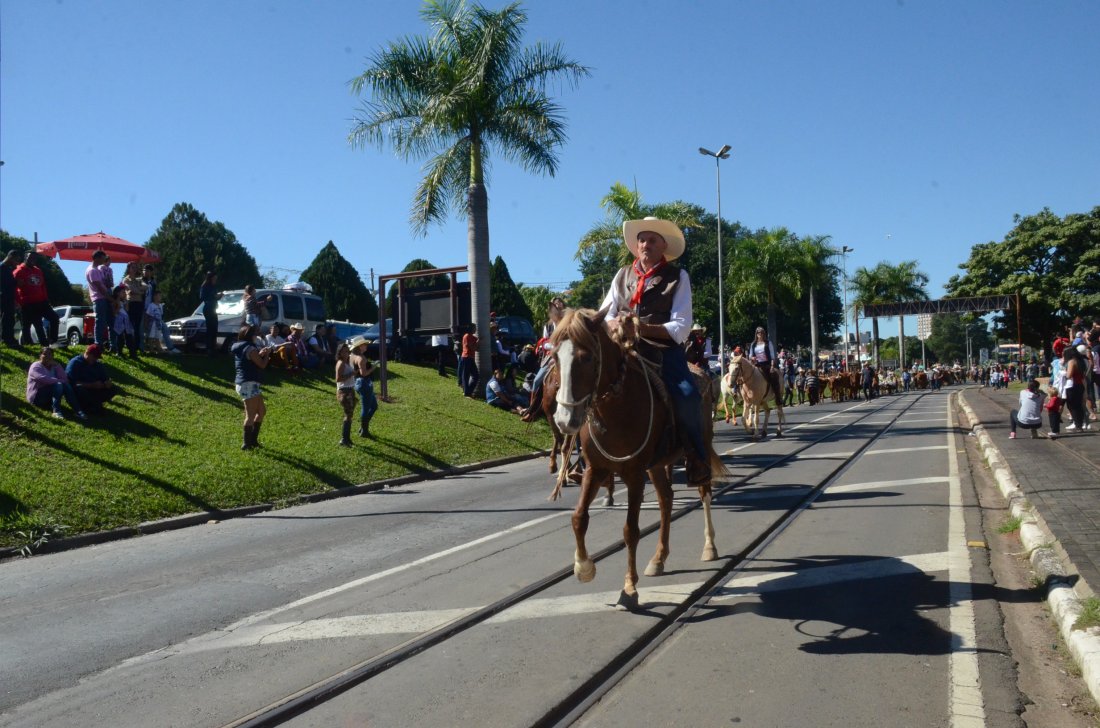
[[209, 295], [34, 301], [123, 327], [345, 391], [496, 393], [306, 358], [467, 364], [318, 345], [158, 330], [90, 381], [1030, 414], [283, 352], [136, 288], [333, 341], [442, 347], [364, 383], [249, 361], [7, 296], [47, 385]]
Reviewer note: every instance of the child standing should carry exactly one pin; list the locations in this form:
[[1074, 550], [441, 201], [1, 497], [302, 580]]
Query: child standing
[[1054, 412], [123, 328]]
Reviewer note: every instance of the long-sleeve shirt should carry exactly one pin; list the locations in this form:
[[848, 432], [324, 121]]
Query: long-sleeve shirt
[[679, 323], [1031, 408], [82, 371], [40, 376]]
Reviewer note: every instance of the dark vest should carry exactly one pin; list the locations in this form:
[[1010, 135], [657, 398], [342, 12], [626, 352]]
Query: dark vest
[[656, 304]]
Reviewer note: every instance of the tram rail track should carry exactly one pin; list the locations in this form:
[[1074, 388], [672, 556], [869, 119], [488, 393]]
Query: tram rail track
[[577, 702]]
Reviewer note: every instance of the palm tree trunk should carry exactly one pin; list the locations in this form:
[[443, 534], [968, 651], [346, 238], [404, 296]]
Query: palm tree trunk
[[477, 244], [771, 318], [813, 327]]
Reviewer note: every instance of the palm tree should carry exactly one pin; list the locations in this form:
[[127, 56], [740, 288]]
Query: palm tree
[[816, 270], [905, 283], [765, 269], [453, 97], [870, 286]]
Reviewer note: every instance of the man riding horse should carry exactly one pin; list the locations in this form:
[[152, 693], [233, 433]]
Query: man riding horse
[[659, 293], [696, 347]]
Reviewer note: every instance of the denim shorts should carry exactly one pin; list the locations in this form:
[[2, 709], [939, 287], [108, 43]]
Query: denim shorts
[[248, 390]]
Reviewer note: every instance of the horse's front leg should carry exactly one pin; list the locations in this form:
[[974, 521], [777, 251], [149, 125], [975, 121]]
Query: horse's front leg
[[555, 452], [635, 484], [584, 567], [710, 553], [663, 486]]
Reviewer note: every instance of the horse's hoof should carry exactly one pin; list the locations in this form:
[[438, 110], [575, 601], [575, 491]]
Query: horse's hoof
[[608, 501], [584, 570], [655, 568], [627, 600], [709, 554]]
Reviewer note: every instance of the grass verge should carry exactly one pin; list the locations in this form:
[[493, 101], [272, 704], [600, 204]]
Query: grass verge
[[170, 443]]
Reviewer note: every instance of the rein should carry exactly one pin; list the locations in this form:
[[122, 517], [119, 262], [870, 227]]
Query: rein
[[613, 389]]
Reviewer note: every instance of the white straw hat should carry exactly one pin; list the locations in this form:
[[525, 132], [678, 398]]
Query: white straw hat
[[665, 228]]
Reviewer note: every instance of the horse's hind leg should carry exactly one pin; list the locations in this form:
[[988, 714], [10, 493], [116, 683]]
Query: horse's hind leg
[[609, 499], [663, 486], [583, 566]]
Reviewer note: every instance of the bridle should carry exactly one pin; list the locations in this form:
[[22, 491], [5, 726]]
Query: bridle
[[613, 390]]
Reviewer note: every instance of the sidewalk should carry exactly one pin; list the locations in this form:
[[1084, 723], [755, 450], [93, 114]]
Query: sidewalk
[[1053, 486]]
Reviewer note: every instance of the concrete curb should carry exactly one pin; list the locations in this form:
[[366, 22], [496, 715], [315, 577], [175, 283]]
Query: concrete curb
[[1063, 600], [197, 519]]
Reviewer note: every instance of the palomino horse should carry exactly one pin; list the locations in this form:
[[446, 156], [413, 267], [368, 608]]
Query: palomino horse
[[758, 393], [729, 397], [611, 398]]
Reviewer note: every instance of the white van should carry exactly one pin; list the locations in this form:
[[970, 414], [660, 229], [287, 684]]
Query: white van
[[293, 304]]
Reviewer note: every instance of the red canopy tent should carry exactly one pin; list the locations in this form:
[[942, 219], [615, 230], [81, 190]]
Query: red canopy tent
[[81, 247]]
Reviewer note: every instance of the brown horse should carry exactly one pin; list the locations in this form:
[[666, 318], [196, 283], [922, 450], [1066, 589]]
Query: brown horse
[[563, 446], [610, 396]]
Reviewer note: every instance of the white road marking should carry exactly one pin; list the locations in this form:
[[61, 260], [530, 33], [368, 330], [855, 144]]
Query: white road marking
[[397, 623], [876, 484], [904, 449], [826, 456], [910, 422], [967, 706]]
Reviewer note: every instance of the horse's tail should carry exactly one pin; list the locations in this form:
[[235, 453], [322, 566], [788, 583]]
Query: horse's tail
[[718, 468]]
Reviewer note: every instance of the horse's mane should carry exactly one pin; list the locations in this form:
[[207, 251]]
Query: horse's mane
[[574, 326]]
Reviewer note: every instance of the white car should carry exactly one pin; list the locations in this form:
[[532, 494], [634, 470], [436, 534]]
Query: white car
[[291, 305]]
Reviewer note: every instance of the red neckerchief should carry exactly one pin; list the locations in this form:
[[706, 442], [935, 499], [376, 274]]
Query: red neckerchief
[[643, 277]]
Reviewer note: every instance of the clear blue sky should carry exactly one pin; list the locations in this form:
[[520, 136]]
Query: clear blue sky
[[904, 129]]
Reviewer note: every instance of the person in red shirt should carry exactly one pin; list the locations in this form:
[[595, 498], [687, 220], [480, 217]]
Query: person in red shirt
[[34, 302], [467, 363]]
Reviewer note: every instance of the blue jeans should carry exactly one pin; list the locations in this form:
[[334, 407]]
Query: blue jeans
[[467, 375], [687, 403], [51, 396], [368, 405], [103, 315]]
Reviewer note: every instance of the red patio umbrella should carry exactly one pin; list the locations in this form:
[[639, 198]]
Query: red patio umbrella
[[81, 247]]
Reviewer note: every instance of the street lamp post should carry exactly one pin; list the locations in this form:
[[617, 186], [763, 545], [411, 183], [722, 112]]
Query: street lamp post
[[844, 250], [721, 154]]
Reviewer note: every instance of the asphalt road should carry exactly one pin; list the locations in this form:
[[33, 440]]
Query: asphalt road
[[861, 612]]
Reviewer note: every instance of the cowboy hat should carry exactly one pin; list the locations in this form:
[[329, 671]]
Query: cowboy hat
[[297, 326], [666, 229], [356, 341], [698, 327]]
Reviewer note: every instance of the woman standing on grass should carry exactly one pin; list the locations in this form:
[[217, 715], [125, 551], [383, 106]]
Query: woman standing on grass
[[345, 390], [364, 383], [249, 361]]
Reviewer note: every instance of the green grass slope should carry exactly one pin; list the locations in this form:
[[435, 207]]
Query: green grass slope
[[170, 443]]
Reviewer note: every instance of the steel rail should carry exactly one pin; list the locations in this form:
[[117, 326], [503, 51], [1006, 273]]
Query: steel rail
[[308, 698]]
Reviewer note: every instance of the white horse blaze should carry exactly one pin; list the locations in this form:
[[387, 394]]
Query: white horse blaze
[[563, 413]]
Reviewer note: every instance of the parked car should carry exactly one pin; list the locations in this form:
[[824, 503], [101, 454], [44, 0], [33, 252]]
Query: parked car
[[70, 330], [290, 305], [516, 331], [411, 348]]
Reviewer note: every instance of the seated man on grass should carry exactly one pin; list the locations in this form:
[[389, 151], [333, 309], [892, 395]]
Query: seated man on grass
[[90, 381], [47, 384], [496, 393]]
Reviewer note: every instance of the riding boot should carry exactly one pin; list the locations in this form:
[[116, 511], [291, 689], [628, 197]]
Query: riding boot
[[364, 427], [246, 443], [256, 434], [345, 438]]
